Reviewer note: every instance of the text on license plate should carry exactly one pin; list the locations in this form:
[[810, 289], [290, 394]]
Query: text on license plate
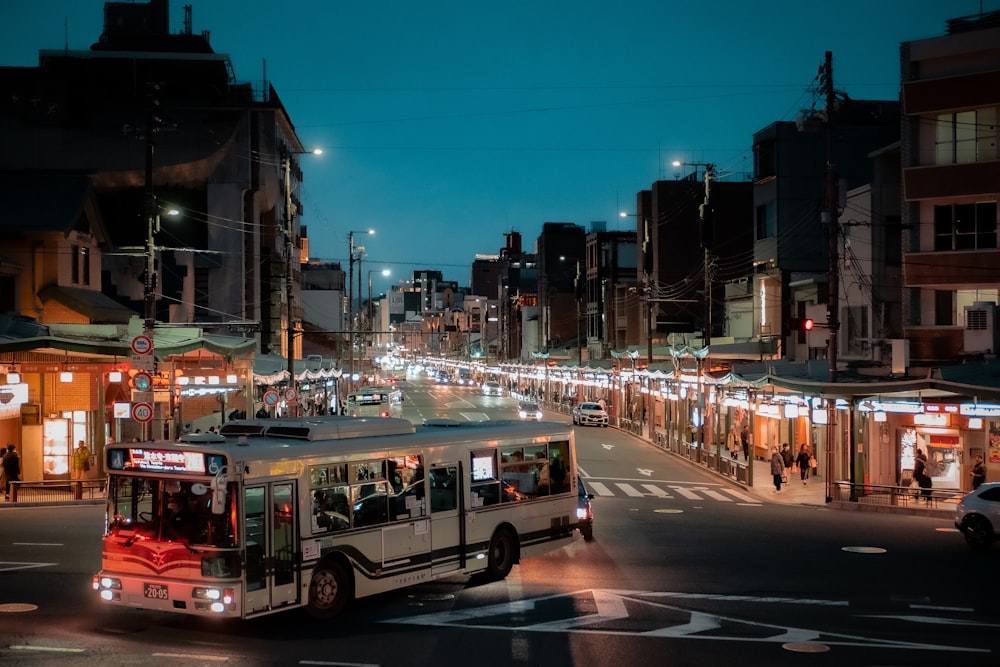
[[155, 591]]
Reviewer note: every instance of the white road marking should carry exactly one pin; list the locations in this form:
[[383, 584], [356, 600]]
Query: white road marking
[[657, 491], [629, 490]]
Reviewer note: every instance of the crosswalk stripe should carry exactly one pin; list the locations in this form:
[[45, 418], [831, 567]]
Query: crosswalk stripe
[[690, 495], [629, 489], [599, 489], [742, 497], [716, 495], [656, 491]]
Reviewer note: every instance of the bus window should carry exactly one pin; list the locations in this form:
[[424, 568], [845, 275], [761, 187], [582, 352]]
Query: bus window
[[485, 480], [331, 509], [444, 489], [559, 466], [371, 503]]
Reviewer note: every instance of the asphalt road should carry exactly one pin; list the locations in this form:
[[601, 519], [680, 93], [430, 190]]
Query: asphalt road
[[685, 569]]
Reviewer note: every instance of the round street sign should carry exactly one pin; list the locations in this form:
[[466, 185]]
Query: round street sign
[[271, 398], [290, 394], [142, 412], [142, 344]]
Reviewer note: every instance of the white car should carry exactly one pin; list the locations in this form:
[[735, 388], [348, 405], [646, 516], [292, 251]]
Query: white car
[[492, 389], [529, 411], [589, 413], [978, 516]]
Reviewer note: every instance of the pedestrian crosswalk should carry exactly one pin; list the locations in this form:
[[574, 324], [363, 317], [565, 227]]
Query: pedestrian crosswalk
[[667, 490]]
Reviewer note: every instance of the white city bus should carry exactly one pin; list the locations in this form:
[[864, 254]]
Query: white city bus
[[375, 402], [276, 514]]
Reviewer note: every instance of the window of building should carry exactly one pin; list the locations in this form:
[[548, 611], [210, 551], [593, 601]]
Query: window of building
[[944, 308], [85, 266], [765, 222], [966, 136], [764, 159], [74, 264], [965, 226]]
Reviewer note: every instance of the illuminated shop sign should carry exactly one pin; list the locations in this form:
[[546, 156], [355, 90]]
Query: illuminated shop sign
[[979, 410]]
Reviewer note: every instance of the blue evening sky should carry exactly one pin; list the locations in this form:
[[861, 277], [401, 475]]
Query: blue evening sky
[[448, 123]]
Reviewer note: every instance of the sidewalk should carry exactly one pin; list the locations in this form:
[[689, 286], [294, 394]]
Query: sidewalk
[[792, 493], [814, 493]]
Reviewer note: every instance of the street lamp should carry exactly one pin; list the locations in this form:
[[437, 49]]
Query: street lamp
[[286, 163], [350, 298]]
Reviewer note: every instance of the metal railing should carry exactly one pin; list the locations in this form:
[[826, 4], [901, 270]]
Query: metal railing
[[895, 496], [56, 491]]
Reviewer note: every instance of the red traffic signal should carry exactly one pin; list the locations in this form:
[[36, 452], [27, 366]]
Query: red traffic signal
[[801, 324]]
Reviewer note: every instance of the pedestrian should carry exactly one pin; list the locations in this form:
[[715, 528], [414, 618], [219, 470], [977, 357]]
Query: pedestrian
[[745, 441], [81, 460], [803, 459], [978, 472], [733, 443], [921, 475], [3, 476], [11, 469], [777, 468], [788, 459]]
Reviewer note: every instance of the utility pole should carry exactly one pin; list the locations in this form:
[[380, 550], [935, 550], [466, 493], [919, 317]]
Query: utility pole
[[289, 247], [833, 320]]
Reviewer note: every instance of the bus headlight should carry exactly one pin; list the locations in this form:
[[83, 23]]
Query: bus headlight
[[109, 588], [219, 598]]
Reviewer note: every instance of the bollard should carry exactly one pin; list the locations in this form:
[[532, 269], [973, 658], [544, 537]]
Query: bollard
[[78, 490]]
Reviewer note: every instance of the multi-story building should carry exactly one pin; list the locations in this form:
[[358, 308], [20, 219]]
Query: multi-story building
[[561, 266], [610, 272], [791, 238], [951, 184]]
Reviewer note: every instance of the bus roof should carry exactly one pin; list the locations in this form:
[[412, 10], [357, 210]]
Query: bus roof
[[337, 434]]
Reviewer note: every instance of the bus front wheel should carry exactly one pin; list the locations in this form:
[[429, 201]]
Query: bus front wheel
[[329, 590], [502, 554]]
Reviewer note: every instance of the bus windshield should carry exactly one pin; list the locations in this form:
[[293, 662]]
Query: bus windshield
[[170, 510]]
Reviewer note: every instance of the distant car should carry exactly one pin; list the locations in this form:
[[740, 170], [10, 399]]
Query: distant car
[[492, 389], [442, 378], [977, 516], [585, 512], [590, 414], [529, 411]]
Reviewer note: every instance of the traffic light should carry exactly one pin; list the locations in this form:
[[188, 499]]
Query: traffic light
[[801, 324]]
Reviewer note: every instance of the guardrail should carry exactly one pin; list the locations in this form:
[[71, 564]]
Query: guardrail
[[895, 496], [56, 491]]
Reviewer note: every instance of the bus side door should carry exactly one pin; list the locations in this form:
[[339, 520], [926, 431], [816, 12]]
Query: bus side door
[[447, 527], [271, 546]]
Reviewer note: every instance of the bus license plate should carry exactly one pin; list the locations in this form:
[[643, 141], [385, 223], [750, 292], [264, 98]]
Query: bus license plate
[[155, 591]]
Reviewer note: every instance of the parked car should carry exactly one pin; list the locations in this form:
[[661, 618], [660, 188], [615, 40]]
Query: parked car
[[977, 516], [492, 389], [585, 512], [589, 413], [529, 411]]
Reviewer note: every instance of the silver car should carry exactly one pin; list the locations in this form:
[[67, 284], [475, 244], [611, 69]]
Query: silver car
[[978, 515], [589, 413]]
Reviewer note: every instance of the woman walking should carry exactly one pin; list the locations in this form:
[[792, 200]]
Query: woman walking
[[803, 462], [777, 468]]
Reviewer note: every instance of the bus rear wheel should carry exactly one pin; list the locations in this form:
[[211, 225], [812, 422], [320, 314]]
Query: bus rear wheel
[[329, 590], [502, 554]]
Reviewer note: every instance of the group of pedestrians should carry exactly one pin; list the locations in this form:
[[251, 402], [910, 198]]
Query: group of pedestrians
[[784, 462]]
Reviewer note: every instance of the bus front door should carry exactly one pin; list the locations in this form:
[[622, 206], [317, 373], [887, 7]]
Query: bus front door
[[270, 547], [447, 526]]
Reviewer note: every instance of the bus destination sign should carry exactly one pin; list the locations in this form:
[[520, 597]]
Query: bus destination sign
[[161, 460]]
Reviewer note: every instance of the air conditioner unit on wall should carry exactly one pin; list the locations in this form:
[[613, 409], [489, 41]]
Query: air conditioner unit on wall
[[981, 327]]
